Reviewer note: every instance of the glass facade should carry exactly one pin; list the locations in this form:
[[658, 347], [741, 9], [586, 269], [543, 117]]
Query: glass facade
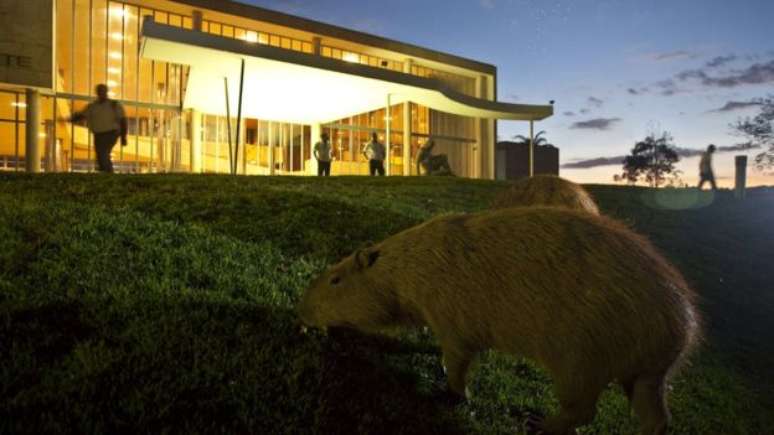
[[98, 41]]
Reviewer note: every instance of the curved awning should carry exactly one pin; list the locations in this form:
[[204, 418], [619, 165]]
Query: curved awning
[[289, 86]]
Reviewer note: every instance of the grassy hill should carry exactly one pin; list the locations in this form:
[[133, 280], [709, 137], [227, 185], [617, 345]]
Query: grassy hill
[[165, 304]]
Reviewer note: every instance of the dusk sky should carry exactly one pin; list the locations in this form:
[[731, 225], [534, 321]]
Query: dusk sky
[[618, 69]]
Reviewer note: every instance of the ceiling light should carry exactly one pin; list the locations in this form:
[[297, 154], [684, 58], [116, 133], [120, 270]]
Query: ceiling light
[[113, 70], [251, 37], [115, 55], [112, 83], [117, 36], [20, 105], [350, 57]]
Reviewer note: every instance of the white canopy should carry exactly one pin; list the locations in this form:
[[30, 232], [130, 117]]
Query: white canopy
[[288, 86]]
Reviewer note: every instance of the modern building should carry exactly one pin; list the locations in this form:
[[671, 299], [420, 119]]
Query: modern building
[[221, 86], [513, 160]]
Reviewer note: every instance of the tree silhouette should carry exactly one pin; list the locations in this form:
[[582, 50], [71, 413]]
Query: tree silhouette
[[760, 131], [539, 139], [651, 159]]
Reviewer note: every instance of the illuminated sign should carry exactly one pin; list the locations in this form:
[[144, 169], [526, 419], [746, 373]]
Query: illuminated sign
[[27, 43]]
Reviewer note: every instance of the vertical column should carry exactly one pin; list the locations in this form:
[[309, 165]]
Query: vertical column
[[271, 148], [407, 126], [741, 177], [491, 132], [197, 20], [32, 132], [387, 139], [316, 48], [479, 132], [51, 150], [313, 139], [531, 148], [196, 142]]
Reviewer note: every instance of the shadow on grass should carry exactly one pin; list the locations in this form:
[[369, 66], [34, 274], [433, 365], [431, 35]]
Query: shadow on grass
[[199, 366]]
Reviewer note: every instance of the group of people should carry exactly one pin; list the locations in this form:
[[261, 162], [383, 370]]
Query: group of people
[[374, 151], [106, 119]]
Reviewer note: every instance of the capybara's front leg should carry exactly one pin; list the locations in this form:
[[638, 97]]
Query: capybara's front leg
[[578, 405], [456, 364]]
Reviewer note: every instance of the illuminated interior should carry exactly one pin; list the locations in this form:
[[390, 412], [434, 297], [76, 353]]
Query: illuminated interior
[[167, 92]]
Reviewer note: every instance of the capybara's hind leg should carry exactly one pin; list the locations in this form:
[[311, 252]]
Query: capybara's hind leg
[[578, 407], [649, 403], [456, 364]]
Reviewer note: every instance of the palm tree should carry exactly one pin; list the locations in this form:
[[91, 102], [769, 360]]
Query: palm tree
[[539, 139]]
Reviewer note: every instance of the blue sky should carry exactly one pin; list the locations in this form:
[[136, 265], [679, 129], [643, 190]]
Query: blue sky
[[618, 69]]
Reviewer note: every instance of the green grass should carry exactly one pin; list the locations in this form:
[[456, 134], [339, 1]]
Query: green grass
[[165, 304]]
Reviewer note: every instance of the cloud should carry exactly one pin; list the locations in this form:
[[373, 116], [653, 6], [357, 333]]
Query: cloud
[[633, 91], [682, 152], [721, 60], [569, 113], [595, 102], [755, 74], [593, 163], [596, 124], [673, 55], [585, 111], [487, 4], [736, 105]]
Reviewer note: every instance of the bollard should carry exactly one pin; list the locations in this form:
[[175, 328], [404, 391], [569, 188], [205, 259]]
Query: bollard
[[741, 177]]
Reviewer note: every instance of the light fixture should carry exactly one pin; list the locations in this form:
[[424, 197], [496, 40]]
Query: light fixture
[[117, 36], [113, 70], [115, 55], [19, 105], [350, 57], [118, 13], [111, 83], [111, 94], [251, 37]]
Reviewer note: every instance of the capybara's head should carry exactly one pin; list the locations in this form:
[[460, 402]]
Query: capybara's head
[[352, 293], [546, 190]]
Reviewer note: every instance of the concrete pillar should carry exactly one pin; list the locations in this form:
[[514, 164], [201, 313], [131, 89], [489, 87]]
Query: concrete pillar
[[196, 142], [388, 138], [272, 144], [32, 132], [480, 127], [491, 132], [50, 158], [313, 139], [531, 148], [317, 51], [407, 126], [197, 21], [741, 177]]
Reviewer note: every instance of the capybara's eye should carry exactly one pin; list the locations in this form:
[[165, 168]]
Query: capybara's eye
[[335, 280]]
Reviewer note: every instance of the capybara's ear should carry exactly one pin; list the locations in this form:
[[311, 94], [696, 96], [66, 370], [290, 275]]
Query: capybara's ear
[[366, 258]]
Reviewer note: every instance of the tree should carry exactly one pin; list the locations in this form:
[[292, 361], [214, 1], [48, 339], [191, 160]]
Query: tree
[[760, 130], [539, 139], [652, 159]]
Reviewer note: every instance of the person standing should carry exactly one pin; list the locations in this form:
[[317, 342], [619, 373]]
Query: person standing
[[705, 168], [323, 153], [375, 153], [106, 119]]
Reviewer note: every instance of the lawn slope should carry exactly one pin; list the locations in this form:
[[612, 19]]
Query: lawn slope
[[165, 304]]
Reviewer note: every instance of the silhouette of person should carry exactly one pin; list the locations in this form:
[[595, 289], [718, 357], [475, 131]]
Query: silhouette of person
[[375, 153], [106, 119], [323, 153], [705, 168]]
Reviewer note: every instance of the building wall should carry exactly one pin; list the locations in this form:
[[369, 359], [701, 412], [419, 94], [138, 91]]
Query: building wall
[[97, 41], [513, 160]]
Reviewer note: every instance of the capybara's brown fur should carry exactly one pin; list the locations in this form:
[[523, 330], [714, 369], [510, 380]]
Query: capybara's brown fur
[[580, 294], [546, 190]]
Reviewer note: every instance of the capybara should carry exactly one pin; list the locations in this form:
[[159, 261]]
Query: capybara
[[581, 295], [547, 190]]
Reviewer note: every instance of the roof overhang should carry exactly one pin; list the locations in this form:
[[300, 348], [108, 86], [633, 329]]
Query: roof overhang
[[288, 86]]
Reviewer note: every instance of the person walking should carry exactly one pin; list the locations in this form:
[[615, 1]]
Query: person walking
[[323, 153], [106, 119], [705, 168], [375, 153]]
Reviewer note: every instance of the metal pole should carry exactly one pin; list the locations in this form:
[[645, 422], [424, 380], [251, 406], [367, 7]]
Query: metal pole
[[388, 134], [531, 148], [239, 113], [228, 127]]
